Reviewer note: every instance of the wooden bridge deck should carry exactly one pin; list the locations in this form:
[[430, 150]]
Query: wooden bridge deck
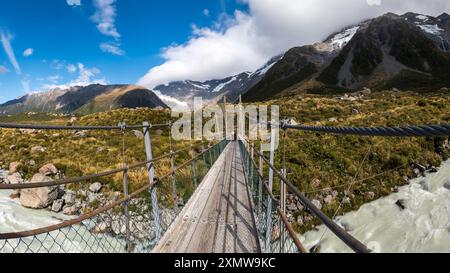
[[219, 216]]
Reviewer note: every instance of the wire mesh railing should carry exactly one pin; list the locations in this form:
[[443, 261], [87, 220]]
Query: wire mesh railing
[[130, 223], [275, 232]]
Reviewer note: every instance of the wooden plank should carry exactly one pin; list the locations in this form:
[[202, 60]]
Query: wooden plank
[[219, 216]]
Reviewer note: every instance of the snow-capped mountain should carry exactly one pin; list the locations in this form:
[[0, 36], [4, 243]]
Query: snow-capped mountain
[[436, 28], [84, 100], [212, 90], [409, 51]]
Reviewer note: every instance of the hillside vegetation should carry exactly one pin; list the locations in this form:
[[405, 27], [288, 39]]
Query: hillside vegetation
[[323, 166], [326, 165]]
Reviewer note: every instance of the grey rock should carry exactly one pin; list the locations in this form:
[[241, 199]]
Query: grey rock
[[14, 179], [370, 195], [329, 199], [70, 210], [138, 134], [355, 111], [14, 167], [317, 203], [96, 187], [346, 200], [81, 134], [37, 149], [447, 185], [291, 207], [57, 205], [69, 198], [38, 198], [401, 204], [48, 169], [300, 220]]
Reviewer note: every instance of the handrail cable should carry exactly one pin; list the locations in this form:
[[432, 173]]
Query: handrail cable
[[35, 232]]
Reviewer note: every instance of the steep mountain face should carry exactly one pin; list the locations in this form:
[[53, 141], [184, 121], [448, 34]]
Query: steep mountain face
[[299, 64], [408, 51], [391, 50], [84, 100], [215, 90]]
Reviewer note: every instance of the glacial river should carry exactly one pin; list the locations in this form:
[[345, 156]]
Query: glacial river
[[423, 226]]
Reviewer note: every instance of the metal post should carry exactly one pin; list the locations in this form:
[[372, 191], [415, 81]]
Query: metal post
[[174, 180], [269, 200], [194, 166], [251, 168], [210, 157], [260, 189], [125, 207], [283, 192], [151, 176], [283, 209]]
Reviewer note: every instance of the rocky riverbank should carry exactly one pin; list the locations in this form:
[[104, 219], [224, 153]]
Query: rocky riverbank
[[297, 214]]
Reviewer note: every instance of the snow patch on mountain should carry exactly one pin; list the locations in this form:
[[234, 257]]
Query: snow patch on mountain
[[431, 29], [222, 85], [341, 39]]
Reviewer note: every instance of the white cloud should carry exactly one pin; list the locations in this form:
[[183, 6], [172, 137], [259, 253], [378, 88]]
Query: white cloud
[[26, 84], [5, 39], [71, 68], [246, 41], [206, 12], [86, 76], [112, 48], [28, 52], [105, 17], [3, 70], [74, 2]]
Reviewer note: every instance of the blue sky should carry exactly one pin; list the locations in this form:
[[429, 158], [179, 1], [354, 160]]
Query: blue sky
[[59, 43], [61, 37]]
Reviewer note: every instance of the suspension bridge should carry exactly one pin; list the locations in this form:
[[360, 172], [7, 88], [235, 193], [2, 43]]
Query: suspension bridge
[[232, 210]]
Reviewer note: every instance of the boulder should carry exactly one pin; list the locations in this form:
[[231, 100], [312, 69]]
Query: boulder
[[355, 111], [315, 183], [329, 199], [69, 198], [70, 210], [96, 187], [81, 134], [300, 221], [395, 90], [159, 132], [370, 195], [101, 227], [12, 147], [447, 185], [291, 207], [37, 149], [38, 198], [443, 89], [317, 203], [366, 91], [346, 200], [57, 205], [14, 167], [48, 169], [15, 178], [138, 134], [401, 204], [15, 194], [333, 120], [28, 131]]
